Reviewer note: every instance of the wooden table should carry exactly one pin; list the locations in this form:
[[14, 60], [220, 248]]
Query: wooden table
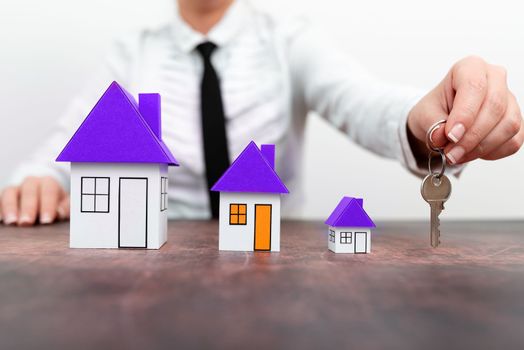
[[467, 294]]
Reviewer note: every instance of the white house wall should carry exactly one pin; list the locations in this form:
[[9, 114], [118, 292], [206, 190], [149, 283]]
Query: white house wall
[[338, 247], [241, 237], [100, 230]]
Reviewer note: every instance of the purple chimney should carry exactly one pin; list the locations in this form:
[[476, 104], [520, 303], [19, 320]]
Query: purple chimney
[[360, 201], [149, 107], [268, 151]]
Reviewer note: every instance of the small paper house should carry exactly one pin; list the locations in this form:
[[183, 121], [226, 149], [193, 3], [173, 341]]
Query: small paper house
[[119, 174], [249, 217], [349, 227]]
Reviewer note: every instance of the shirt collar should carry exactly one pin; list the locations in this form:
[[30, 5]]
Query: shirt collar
[[186, 38]]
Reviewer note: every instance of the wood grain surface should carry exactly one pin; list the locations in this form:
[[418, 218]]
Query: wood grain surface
[[466, 294]]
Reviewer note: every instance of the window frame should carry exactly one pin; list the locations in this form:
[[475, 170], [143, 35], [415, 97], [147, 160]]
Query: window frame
[[163, 193], [95, 195], [347, 236], [237, 215]]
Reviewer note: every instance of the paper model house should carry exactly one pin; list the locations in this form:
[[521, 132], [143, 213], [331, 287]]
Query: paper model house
[[349, 227], [119, 172], [249, 218]]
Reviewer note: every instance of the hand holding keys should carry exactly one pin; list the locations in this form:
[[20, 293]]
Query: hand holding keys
[[436, 187]]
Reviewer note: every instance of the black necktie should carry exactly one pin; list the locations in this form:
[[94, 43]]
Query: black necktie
[[213, 125]]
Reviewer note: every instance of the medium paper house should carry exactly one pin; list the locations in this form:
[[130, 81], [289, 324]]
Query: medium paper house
[[249, 218], [349, 227], [119, 172]]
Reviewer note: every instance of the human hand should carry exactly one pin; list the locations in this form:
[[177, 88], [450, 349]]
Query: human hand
[[37, 197], [483, 116]]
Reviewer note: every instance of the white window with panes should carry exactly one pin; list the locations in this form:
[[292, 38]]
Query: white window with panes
[[345, 237], [332, 236], [94, 192], [163, 193]]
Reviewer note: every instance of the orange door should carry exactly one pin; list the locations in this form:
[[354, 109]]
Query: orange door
[[262, 226]]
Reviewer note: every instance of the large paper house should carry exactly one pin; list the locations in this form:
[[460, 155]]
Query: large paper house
[[249, 218], [350, 227], [119, 174]]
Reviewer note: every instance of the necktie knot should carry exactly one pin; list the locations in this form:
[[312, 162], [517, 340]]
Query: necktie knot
[[206, 49]]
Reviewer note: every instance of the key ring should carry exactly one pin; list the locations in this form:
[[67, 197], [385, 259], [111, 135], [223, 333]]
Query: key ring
[[429, 135], [433, 154], [435, 150]]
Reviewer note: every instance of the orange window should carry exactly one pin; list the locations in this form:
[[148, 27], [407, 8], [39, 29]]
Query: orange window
[[237, 214]]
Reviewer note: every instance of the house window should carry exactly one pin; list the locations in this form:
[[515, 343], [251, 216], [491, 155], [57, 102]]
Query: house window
[[345, 237], [94, 195], [332, 236], [237, 214], [163, 193]]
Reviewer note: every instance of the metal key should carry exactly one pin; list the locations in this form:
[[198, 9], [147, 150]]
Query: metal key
[[435, 190]]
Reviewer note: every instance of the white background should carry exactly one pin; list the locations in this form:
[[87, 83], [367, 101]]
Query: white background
[[48, 49]]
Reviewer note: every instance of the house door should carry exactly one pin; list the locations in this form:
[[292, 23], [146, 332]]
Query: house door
[[361, 242], [132, 212], [263, 227]]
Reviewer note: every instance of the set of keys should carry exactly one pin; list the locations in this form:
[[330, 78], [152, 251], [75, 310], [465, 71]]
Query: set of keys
[[436, 187]]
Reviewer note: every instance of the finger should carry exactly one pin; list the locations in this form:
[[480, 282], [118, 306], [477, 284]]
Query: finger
[[64, 208], [469, 81], [491, 112], [9, 204], [29, 192], [505, 130], [509, 147], [50, 194]]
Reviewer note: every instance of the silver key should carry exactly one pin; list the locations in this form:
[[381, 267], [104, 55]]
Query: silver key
[[435, 190]]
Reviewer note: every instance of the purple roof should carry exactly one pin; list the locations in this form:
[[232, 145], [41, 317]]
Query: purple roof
[[116, 132], [349, 213], [251, 172]]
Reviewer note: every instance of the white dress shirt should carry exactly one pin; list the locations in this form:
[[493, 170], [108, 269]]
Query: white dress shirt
[[272, 73]]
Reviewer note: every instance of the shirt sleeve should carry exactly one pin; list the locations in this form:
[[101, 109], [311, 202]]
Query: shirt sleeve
[[42, 162], [371, 112]]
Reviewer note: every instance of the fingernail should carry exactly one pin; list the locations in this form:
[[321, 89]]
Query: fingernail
[[455, 154], [24, 219], [10, 219], [46, 219], [457, 132]]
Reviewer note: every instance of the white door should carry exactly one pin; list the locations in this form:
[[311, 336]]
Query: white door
[[132, 213], [361, 242]]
